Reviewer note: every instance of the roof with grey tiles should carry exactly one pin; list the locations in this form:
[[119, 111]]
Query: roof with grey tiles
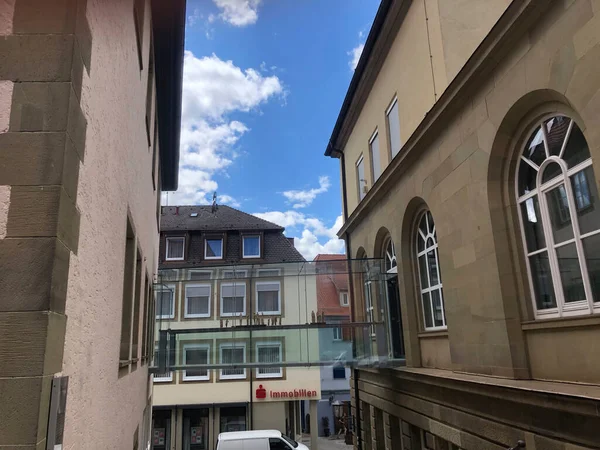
[[224, 218]]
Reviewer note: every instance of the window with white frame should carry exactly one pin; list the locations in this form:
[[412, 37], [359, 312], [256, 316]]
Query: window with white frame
[[269, 353], [165, 301], [344, 298], [361, 182], [251, 246], [391, 265], [432, 298], [197, 300], [266, 273], [557, 195], [175, 248], [268, 297], [234, 353], [196, 354], [338, 334], [393, 124], [233, 299], [370, 309], [199, 275], [234, 274], [213, 248], [165, 377], [375, 156]]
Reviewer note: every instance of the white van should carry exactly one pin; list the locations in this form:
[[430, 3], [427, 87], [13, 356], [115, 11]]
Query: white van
[[257, 440]]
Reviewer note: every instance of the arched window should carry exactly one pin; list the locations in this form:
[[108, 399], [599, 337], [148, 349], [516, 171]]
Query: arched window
[[432, 298], [557, 196], [390, 257]]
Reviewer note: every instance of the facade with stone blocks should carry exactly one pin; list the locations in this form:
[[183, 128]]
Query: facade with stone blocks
[[87, 142], [467, 144]]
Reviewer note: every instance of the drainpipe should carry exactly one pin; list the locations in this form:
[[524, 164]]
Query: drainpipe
[[251, 352]]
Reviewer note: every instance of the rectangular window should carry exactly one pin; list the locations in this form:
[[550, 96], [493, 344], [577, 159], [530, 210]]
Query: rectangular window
[[135, 333], [234, 274], [393, 123], [268, 297], [375, 156], [150, 93], [213, 249], [167, 376], [339, 373], [581, 190], [128, 290], [266, 273], [361, 182], [139, 7], [196, 354], [165, 302], [174, 249], [337, 333], [344, 299], [199, 275], [197, 300], [268, 353], [233, 299], [251, 246], [233, 354]]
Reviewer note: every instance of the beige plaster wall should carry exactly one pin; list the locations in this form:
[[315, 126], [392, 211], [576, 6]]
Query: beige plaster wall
[[103, 409], [270, 416], [435, 352], [553, 67]]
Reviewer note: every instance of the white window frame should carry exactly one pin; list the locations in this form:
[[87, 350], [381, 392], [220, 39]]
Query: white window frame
[[338, 333], [191, 271], [206, 247], [157, 379], [238, 274], [232, 345], [270, 344], [344, 294], [244, 246], [197, 316], [429, 289], [376, 170], [268, 313], [169, 288], [370, 308], [389, 131], [173, 238], [259, 272], [184, 357], [562, 309], [237, 314], [361, 193]]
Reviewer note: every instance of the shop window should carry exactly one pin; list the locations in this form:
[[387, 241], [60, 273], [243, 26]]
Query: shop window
[[233, 418], [161, 429], [195, 429], [557, 196]]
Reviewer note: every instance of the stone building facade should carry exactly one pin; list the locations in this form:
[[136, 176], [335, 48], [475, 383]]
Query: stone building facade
[[467, 143], [89, 135]]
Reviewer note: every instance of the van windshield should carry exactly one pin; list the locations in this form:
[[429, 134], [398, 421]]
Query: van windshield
[[292, 442]]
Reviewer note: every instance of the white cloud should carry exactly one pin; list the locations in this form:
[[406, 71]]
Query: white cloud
[[195, 17], [228, 200], [238, 12], [315, 236], [355, 55], [302, 199], [212, 89]]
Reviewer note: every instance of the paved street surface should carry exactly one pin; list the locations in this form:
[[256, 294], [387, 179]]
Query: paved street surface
[[329, 444]]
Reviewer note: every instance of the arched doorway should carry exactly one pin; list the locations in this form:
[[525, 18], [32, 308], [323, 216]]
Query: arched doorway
[[394, 312]]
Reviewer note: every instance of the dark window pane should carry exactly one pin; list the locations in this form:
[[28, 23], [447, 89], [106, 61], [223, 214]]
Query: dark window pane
[[532, 224], [556, 130], [542, 281], [577, 149], [432, 265], [585, 192], [430, 221], [570, 273], [420, 243], [438, 308], [427, 310], [423, 272], [558, 206], [527, 178], [591, 248], [551, 171], [423, 225], [534, 150]]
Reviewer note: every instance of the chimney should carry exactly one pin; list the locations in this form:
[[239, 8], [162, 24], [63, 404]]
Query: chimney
[[291, 239]]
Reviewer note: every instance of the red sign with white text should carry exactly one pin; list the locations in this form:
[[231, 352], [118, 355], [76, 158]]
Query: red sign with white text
[[262, 393]]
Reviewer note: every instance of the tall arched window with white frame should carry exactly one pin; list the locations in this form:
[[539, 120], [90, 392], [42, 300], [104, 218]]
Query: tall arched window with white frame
[[428, 260], [560, 221]]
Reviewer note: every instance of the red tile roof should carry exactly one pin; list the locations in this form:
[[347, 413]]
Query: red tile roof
[[332, 279]]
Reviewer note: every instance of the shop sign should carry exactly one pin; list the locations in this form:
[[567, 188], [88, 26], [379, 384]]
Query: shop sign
[[159, 436], [262, 393]]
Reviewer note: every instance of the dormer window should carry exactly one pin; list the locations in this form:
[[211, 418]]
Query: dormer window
[[344, 298], [251, 246], [213, 248], [174, 248]]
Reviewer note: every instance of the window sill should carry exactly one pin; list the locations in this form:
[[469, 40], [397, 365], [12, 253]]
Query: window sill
[[561, 322], [433, 334]]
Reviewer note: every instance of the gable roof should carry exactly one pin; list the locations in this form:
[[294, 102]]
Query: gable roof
[[225, 218]]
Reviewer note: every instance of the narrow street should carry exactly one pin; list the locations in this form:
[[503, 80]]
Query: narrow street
[[330, 444]]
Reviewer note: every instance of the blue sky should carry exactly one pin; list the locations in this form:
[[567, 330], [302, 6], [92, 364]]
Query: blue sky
[[264, 81]]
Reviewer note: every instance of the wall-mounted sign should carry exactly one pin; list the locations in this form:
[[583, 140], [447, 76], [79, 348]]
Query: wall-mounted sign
[[296, 394], [159, 436], [196, 435]]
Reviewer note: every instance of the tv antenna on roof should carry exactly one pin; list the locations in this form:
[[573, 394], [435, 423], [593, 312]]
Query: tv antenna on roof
[[214, 203]]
